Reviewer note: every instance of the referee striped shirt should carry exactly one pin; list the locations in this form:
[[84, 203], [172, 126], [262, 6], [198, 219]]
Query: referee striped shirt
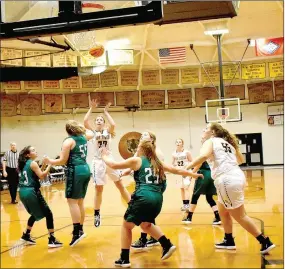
[[11, 158]]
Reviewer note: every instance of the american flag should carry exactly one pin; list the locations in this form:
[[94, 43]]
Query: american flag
[[172, 55]]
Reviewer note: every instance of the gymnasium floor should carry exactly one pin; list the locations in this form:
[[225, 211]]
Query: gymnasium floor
[[195, 249]]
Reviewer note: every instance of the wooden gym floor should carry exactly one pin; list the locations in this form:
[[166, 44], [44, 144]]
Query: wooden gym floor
[[195, 242]]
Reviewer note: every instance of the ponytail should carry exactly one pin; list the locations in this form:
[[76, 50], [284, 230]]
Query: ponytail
[[149, 151], [23, 158], [221, 132]]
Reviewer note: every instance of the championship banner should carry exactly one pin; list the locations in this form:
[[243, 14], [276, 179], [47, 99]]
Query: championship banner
[[38, 58], [150, 77], [179, 98], [260, 92], [109, 79], [11, 54], [31, 104], [33, 85], [11, 85], [53, 103], [90, 82], [276, 69], [103, 98], [203, 94], [51, 84], [129, 78], [189, 75], [70, 83], [170, 76], [127, 98], [152, 100], [279, 90], [269, 47], [8, 105], [76, 100]]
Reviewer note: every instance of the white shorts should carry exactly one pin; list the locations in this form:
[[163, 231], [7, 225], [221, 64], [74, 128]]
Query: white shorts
[[230, 188], [183, 182], [100, 170]]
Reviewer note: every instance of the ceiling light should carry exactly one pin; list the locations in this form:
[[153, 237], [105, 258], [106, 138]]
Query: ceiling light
[[216, 32]]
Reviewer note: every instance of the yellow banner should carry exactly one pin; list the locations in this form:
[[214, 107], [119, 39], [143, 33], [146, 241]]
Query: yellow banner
[[252, 71], [189, 75], [276, 69], [230, 70], [213, 73]]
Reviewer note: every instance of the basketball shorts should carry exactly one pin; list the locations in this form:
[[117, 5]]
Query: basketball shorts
[[144, 206], [34, 202], [183, 182], [230, 188], [77, 180], [100, 170]]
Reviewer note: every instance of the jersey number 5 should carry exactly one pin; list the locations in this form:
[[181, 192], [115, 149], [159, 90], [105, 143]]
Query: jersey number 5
[[148, 172], [83, 150], [226, 147]]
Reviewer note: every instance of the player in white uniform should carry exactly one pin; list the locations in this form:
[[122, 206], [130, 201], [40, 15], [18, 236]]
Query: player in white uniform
[[222, 153], [102, 138], [181, 158]]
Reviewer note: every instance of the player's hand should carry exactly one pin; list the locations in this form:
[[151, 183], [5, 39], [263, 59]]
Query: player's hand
[[5, 174], [195, 175], [94, 103], [46, 160], [107, 107]]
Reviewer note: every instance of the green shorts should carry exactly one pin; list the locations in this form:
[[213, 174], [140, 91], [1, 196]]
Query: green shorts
[[34, 202], [77, 180], [205, 185], [144, 206]]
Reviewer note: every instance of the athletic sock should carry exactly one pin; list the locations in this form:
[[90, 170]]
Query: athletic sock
[[189, 216], [125, 255], [163, 241], [143, 237], [261, 238], [96, 212]]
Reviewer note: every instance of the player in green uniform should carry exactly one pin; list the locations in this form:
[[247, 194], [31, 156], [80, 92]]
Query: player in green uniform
[[147, 199], [203, 187], [31, 196], [73, 154]]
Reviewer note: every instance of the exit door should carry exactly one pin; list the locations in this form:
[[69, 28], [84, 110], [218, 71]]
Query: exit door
[[251, 148]]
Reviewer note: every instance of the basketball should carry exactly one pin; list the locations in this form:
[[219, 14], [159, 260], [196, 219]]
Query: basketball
[[97, 51]]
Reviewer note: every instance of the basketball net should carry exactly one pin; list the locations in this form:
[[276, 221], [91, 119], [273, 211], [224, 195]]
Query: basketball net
[[223, 119]]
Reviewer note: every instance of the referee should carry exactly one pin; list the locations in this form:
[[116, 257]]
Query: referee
[[10, 171]]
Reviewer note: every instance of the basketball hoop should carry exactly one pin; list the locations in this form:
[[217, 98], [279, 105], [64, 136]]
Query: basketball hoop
[[223, 119], [223, 114], [85, 40]]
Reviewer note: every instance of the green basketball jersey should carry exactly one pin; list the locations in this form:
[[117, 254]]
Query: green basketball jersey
[[145, 178], [28, 178], [205, 166], [77, 155]]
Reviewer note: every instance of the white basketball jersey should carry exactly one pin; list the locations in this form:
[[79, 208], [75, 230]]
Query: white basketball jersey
[[223, 159], [101, 139], [180, 158]]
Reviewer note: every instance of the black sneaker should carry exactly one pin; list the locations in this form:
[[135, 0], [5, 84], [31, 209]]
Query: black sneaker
[[27, 238], [168, 251], [53, 242], [152, 242], [266, 246], [139, 244], [122, 263], [217, 221], [187, 220], [226, 244], [97, 220], [76, 238]]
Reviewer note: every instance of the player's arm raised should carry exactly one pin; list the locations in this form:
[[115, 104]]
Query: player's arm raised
[[205, 153]]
